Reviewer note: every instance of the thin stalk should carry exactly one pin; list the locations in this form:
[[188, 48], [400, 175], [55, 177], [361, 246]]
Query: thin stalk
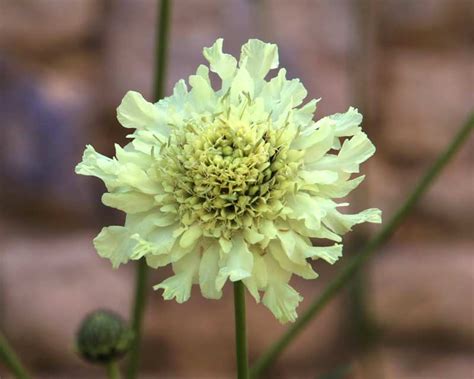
[[161, 49], [141, 275], [113, 371], [357, 262], [240, 331], [159, 85], [11, 360]]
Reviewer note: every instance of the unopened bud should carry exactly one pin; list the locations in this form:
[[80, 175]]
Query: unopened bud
[[103, 337]]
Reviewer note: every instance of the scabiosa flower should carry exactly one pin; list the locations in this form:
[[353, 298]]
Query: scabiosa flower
[[232, 184]]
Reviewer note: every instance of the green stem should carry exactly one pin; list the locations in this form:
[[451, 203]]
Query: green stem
[[137, 317], [159, 85], [10, 359], [161, 49], [240, 331], [113, 371], [355, 263]]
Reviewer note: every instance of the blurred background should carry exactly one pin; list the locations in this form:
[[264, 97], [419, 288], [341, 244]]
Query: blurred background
[[408, 65]]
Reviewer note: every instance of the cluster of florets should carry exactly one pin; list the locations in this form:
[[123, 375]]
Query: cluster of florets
[[227, 174]]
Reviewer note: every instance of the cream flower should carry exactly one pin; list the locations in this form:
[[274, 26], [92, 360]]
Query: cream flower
[[231, 184]]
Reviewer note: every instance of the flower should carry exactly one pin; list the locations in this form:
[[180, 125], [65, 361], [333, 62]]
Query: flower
[[231, 184]]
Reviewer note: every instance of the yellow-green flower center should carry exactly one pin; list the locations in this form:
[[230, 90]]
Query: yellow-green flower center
[[226, 175]]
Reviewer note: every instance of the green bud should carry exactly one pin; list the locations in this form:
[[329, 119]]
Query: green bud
[[103, 337]]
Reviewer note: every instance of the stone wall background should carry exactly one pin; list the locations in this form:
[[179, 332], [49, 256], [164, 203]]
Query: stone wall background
[[408, 64]]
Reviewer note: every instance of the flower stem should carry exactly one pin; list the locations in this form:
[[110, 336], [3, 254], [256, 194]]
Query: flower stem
[[10, 359], [137, 317], [161, 50], [113, 371], [357, 262], [240, 331]]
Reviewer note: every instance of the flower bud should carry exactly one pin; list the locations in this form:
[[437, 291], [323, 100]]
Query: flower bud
[[103, 337]]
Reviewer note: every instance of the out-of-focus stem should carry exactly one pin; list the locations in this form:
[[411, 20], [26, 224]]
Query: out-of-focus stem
[[161, 49], [159, 85], [11, 360], [137, 317], [358, 261]]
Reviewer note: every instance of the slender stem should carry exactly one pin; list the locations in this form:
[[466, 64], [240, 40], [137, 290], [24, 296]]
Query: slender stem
[[355, 263], [240, 331], [113, 371], [11, 360], [161, 52], [137, 317], [161, 58]]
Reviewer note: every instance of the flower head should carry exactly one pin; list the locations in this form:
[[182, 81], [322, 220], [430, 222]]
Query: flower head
[[231, 184]]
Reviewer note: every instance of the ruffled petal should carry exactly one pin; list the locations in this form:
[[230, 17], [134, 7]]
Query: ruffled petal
[[319, 177], [114, 243], [222, 64], [354, 151], [135, 112], [323, 232], [304, 269], [348, 123], [134, 176], [252, 236], [129, 154], [261, 57], [143, 223], [129, 202], [282, 301], [316, 140], [259, 278], [329, 253], [179, 285], [238, 263], [157, 242], [303, 116], [225, 244], [202, 93], [100, 166], [269, 230], [343, 223], [307, 208], [156, 261], [242, 85], [290, 242], [208, 270], [279, 297], [282, 95], [341, 188], [190, 236]]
